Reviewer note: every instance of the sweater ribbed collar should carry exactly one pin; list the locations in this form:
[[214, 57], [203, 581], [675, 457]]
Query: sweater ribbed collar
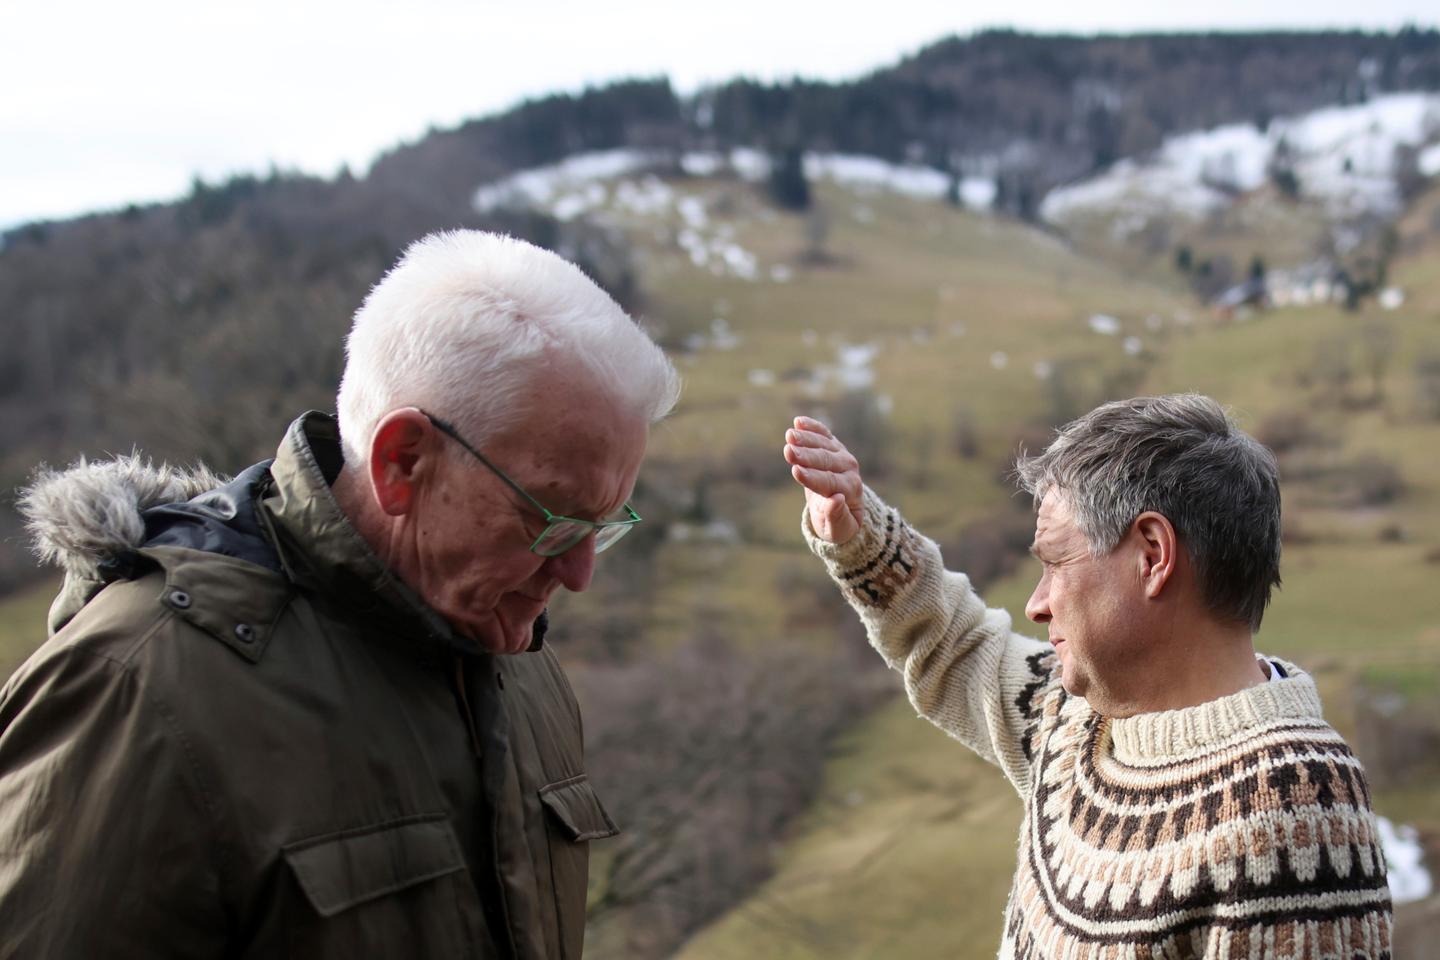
[[1179, 734]]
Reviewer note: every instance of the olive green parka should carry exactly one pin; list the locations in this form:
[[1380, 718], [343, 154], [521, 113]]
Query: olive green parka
[[247, 739]]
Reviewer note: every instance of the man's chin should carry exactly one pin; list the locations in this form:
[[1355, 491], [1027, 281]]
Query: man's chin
[[504, 641], [507, 636]]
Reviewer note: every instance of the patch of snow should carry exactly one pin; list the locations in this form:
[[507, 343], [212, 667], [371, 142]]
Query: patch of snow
[[854, 370], [1154, 322], [1129, 186], [750, 164], [885, 404], [1104, 324], [717, 254], [648, 197], [698, 164], [693, 244], [1231, 157], [1409, 880], [741, 262], [875, 174], [1428, 162], [978, 193], [1392, 298], [692, 211], [571, 177], [1133, 346], [781, 273], [760, 377], [587, 197], [999, 359], [1043, 369]]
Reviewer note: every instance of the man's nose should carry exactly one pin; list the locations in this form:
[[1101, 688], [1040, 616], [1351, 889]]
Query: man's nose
[[574, 568], [1037, 608]]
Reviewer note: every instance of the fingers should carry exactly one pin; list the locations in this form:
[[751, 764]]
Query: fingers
[[826, 483], [811, 425], [821, 482], [813, 438], [813, 459], [800, 450]]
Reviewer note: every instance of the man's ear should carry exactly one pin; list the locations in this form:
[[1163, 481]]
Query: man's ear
[[402, 453], [1159, 551]]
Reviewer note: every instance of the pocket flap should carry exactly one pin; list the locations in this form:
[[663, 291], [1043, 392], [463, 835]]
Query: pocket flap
[[575, 805], [341, 870]]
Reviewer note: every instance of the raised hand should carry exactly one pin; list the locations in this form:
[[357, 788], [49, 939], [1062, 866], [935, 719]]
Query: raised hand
[[830, 474]]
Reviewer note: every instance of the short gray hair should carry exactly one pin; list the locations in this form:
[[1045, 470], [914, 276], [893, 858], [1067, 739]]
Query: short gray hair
[[460, 324], [1183, 457]]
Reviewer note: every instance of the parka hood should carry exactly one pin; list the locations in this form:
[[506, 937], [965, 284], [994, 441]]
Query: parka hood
[[92, 511]]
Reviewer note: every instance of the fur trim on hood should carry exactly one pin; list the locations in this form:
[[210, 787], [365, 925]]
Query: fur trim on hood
[[89, 512]]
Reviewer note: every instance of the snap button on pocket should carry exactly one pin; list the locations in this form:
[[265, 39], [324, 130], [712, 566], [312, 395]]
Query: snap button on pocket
[[244, 633], [179, 599]]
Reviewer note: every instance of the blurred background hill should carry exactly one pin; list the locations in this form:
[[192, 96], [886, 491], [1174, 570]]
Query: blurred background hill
[[945, 259]]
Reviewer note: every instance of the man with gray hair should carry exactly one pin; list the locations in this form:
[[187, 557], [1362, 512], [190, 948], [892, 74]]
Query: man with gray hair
[[1183, 797], [311, 712]]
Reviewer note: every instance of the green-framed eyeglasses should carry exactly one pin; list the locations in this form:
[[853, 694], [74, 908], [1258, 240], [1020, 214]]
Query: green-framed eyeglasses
[[561, 533]]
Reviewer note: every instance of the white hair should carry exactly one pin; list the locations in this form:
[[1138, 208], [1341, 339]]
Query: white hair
[[460, 324]]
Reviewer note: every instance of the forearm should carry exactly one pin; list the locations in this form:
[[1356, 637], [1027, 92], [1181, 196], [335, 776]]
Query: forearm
[[964, 669]]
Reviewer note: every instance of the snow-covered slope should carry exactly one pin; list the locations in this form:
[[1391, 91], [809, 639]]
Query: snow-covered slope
[[576, 186], [1343, 157]]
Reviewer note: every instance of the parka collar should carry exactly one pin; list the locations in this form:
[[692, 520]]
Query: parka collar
[[322, 551]]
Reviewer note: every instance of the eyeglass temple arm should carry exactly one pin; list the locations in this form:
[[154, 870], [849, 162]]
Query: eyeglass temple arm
[[454, 434], [446, 428]]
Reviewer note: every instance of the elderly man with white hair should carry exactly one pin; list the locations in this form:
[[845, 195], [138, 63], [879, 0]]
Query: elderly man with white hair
[[310, 712]]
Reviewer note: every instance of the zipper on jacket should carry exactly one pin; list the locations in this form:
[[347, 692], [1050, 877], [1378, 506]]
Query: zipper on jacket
[[463, 699]]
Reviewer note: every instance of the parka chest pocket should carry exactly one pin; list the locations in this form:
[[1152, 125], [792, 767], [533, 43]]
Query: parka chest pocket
[[576, 810], [574, 817], [384, 890]]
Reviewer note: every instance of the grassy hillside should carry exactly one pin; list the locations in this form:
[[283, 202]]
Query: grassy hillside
[[22, 624]]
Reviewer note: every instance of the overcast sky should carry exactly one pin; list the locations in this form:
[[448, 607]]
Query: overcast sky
[[108, 103]]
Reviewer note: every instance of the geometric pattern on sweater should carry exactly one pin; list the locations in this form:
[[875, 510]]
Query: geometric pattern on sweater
[[1237, 828], [1261, 845]]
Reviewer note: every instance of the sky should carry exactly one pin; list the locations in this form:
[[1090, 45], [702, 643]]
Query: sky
[[106, 103]]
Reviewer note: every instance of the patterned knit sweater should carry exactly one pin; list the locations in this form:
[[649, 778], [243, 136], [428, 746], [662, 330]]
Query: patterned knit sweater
[[1238, 828]]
